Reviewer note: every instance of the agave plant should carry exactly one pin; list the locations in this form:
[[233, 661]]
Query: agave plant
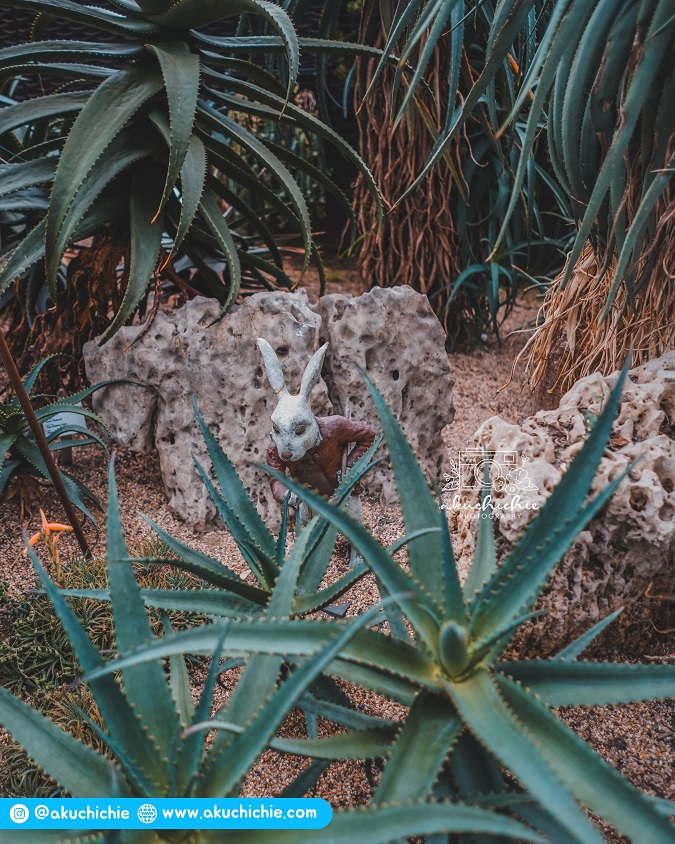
[[152, 728], [143, 134], [473, 717], [20, 458]]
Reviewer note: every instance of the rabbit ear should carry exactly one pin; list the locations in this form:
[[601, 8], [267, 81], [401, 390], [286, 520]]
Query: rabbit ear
[[312, 373], [275, 373]]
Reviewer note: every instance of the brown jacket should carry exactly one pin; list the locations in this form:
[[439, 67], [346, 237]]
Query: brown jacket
[[318, 469]]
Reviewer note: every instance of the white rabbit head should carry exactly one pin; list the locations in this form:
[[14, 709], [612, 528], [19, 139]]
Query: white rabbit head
[[294, 427]]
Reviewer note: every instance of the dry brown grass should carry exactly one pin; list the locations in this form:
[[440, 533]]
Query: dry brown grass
[[573, 342]]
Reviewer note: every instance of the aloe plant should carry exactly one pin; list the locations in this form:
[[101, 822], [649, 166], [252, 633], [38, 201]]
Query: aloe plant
[[472, 716], [20, 457], [152, 727], [602, 71], [149, 139]]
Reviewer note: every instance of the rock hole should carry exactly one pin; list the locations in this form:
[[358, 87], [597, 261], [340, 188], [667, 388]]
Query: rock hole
[[664, 472], [638, 500]]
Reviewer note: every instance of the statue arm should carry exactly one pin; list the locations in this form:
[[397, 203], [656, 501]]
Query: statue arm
[[275, 462], [362, 435]]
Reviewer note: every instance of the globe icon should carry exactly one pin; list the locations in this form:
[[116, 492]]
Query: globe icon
[[147, 813]]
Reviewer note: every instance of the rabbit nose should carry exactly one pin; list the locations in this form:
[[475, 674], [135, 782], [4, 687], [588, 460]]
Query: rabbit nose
[[286, 454]]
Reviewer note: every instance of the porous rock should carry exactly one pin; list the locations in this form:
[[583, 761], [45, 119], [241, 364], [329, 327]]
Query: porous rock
[[395, 337], [631, 543], [184, 355], [393, 334]]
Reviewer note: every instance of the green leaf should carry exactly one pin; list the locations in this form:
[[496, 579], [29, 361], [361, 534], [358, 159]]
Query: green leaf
[[230, 128], [146, 686], [290, 638], [304, 604], [652, 50], [421, 747], [579, 645], [214, 572], [124, 151], [28, 174], [368, 743], [562, 682], [485, 558], [206, 601], [274, 108], [193, 14], [180, 70], [418, 505], [191, 746], [106, 113], [491, 721], [146, 241], [77, 768], [243, 751], [586, 774], [377, 558], [93, 16], [179, 682], [259, 678], [49, 107], [340, 714], [262, 566], [213, 217], [139, 757], [67, 49], [192, 180]]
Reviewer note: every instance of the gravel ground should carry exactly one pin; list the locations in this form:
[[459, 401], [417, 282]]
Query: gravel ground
[[637, 739]]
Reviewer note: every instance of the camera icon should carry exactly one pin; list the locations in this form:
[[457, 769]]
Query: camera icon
[[19, 813], [472, 463]]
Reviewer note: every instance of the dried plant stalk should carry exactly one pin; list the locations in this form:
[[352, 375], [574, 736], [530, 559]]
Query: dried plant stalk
[[573, 341], [419, 242]]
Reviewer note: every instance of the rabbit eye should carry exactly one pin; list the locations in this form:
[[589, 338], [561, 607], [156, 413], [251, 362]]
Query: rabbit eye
[[300, 429]]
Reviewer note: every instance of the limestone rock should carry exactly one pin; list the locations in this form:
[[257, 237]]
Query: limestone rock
[[632, 542], [394, 335], [184, 355]]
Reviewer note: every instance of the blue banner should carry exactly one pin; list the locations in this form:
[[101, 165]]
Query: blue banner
[[165, 813]]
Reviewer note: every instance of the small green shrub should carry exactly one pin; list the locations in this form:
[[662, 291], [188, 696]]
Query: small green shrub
[[36, 655], [20, 457]]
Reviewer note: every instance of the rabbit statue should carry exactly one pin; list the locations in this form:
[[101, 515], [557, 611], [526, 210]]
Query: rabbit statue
[[310, 448]]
